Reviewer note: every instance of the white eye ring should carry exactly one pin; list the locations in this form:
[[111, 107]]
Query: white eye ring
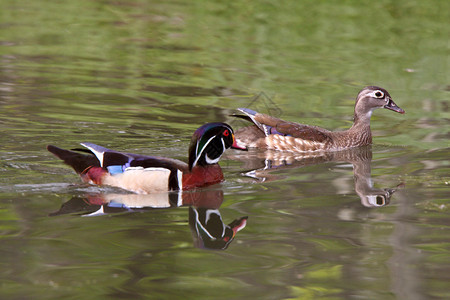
[[378, 94]]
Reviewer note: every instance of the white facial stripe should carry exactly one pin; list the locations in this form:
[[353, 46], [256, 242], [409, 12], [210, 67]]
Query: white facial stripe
[[197, 221], [212, 161], [373, 94], [223, 144], [215, 161], [216, 212], [199, 154]]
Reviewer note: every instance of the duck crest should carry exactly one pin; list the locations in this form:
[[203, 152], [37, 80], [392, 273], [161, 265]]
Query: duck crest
[[209, 142]]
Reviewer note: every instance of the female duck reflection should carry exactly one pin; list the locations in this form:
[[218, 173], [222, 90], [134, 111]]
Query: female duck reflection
[[208, 229], [264, 163]]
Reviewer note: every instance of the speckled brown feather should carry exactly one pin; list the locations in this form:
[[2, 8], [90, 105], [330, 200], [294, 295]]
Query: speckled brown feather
[[296, 130], [250, 135], [297, 137]]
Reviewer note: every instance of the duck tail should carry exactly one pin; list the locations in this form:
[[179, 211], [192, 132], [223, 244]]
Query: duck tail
[[79, 162], [250, 116], [253, 116], [244, 117]]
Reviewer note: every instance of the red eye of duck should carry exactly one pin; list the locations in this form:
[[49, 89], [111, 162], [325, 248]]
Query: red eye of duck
[[226, 132]]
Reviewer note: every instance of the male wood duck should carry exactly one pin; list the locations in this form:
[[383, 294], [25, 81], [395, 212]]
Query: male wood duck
[[149, 174], [95, 204], [272, 133], [208, 229]]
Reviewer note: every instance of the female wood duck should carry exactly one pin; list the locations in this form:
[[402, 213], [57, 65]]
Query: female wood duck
[[265, 166], [273, 133], [148, 174]]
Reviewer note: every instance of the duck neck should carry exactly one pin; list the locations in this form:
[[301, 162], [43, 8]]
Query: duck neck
[[360, 130], [202, 175], [362, 177], [362, 119]]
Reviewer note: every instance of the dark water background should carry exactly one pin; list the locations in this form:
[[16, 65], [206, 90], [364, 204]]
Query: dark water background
[[141, 76]]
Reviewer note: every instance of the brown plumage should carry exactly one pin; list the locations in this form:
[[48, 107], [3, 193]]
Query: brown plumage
[[273, 133]]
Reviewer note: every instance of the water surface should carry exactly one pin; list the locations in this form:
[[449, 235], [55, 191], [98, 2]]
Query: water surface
[[141, 76]]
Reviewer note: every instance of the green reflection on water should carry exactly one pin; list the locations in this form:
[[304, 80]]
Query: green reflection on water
[[142, 75]]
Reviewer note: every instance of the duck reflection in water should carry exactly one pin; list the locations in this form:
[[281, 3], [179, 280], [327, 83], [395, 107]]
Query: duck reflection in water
[[205, 220], [264, 163]]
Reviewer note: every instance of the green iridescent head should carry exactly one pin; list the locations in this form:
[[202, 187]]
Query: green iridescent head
[[209, 142]]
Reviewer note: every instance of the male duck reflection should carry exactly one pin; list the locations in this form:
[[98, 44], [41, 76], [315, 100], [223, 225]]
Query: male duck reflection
[[148, 174], [208, 229], [273, 133], [266, 163]]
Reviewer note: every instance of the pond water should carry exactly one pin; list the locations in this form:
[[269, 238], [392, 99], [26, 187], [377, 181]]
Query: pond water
[[141, 76]]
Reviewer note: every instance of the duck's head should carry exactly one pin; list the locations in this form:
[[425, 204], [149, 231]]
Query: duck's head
[[209, 142], [373, 97], [209, 231], [376, 198]]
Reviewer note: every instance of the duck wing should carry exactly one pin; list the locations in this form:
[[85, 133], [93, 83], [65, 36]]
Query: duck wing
[[112, 161], [78, 161], [272, 125], [117, 162]]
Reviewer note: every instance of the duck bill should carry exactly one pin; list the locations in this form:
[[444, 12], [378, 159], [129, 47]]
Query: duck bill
[[392, 106], [237, 146]]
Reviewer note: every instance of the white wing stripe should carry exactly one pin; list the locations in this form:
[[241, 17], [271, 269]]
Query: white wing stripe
[[98, 154]]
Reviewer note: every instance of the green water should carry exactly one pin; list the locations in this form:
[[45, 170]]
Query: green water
[[141, 76]]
